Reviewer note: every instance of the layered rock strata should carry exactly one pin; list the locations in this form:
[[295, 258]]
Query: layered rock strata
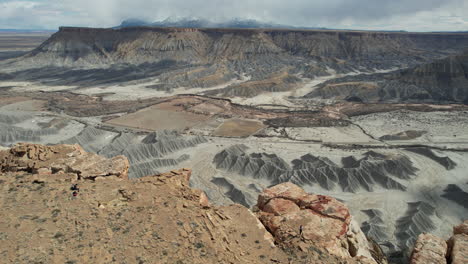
[[441, 81], [354, 174]]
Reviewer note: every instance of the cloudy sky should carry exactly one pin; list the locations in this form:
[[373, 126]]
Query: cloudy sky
[[411, 15]]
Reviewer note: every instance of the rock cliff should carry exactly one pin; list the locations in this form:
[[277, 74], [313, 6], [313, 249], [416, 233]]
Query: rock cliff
[[61, 204]]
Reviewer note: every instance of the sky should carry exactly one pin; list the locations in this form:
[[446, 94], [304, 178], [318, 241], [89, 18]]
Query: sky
[[410, 15]]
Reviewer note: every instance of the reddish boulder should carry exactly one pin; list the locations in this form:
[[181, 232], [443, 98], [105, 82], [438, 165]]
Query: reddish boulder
[[461, 229], [305, 221], [280, 206], [429, 249]]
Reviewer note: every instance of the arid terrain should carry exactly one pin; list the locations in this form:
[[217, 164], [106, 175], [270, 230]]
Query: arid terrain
[[13, 44], [377, 120]]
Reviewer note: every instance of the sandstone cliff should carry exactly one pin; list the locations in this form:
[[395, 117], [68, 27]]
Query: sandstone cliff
[[63, 205]]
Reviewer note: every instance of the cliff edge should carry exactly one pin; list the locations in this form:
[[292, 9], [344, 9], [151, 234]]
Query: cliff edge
[[61, 204]]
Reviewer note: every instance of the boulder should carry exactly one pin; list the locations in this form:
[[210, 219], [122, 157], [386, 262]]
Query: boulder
[[298, 220], [429, 249]]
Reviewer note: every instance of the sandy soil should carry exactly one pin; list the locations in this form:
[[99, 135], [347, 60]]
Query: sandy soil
[[441, 127], [10, 100], [238, 128], [154, 118], [25, 105]]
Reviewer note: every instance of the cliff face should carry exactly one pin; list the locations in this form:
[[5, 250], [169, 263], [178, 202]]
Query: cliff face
[[444, 80], [138, 45], [169, 58], [60, 205]]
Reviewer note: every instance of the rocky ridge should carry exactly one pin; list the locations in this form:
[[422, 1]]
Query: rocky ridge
[[61, 204], [353, 175]]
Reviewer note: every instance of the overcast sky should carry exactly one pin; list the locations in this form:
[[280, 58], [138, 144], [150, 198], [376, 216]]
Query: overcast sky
[[411, 15]]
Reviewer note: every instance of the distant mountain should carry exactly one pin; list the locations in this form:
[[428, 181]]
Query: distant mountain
[[204, 23], [133, 23]]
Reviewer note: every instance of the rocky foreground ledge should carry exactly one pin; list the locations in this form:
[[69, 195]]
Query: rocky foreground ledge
[[61, 204], [432, 249]]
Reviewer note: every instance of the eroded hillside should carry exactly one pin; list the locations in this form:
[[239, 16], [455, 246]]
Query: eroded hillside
[[442, 81], [231, 62]]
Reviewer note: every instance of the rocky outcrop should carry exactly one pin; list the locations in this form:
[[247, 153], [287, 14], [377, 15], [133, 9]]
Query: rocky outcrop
[[432, 249], [461, 229], [458, 244], [306, 221], [71, 159], [53, 213], [429, 249], [147, 155]]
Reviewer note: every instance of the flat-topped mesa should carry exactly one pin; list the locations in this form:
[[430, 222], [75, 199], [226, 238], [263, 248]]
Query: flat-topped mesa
[[73, 46], [306, 221]]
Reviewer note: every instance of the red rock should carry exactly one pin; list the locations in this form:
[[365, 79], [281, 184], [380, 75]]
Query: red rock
[[295, 217], [280, 206], [429, 249], [461, 229], [288, 191]]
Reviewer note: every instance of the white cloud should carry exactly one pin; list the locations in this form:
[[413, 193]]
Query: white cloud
[[414, 15]]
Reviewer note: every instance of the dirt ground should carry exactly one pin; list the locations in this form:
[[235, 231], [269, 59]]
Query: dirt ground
[[154, 118], [22, 41], [238, 128]]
